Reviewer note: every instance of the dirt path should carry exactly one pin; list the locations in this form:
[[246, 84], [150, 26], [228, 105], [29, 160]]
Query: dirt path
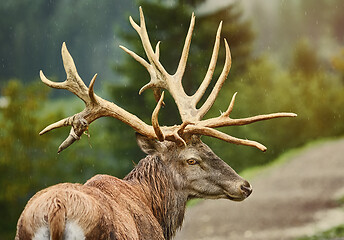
[[289, 200]]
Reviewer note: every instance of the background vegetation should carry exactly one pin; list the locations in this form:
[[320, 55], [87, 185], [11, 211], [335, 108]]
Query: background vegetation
[[333, 233], [287, 56]]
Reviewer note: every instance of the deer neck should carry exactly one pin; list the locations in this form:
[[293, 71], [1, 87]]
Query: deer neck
[[166, 199]]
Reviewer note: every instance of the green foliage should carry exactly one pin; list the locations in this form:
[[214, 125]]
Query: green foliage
[[317, 99], [29, 162], [22, 155], [338, 63], [305, 59], [334, 233]]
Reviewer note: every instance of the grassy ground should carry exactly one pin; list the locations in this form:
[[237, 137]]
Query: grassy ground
[[335, 233]]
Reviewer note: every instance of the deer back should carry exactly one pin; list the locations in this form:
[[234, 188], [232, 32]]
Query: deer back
[[104, 208]]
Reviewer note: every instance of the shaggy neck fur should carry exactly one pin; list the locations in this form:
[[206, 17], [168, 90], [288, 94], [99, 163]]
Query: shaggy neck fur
[[167, 203]]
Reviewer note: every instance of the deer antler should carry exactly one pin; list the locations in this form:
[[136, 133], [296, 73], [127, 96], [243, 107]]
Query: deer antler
[[97, 107], [186, 104]]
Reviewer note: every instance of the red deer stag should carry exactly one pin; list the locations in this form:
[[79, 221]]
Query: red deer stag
[[149, 203]]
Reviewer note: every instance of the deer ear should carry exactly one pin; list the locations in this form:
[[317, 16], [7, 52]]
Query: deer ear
[[149, 146]]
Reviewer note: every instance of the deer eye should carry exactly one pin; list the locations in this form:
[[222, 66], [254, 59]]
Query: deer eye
[[191, 161]]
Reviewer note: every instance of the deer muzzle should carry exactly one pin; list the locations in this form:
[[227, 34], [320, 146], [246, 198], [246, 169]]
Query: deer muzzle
[[241, 191], [246, 189]]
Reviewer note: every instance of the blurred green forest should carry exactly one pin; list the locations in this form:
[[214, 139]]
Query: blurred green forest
[[287, 56]]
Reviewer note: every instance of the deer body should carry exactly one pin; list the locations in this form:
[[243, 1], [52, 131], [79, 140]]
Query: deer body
[[150, 202], [104, 208]]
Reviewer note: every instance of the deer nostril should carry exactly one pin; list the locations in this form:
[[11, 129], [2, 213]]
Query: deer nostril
[[246, 189]]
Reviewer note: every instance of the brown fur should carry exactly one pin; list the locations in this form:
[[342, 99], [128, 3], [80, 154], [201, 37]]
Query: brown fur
[[57, 219], [107, 207], [167, 204]]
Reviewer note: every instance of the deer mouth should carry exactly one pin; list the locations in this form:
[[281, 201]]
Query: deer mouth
[[234, 198]]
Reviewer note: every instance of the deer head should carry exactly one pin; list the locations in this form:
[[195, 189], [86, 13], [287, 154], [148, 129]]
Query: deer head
[[197, 172]]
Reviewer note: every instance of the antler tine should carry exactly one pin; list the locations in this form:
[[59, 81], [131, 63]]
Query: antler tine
[[206, 127], [79, 126], [207, 79], [72, 137], [224, 120], [155, 69], [230, 106], [142, 31], [91, 93], [155, 122], [225, 137], [58, 85], [212, 97], [136, 57], [157, 50], [154, 83], [185, 53], [62, 123], [73, 82]]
